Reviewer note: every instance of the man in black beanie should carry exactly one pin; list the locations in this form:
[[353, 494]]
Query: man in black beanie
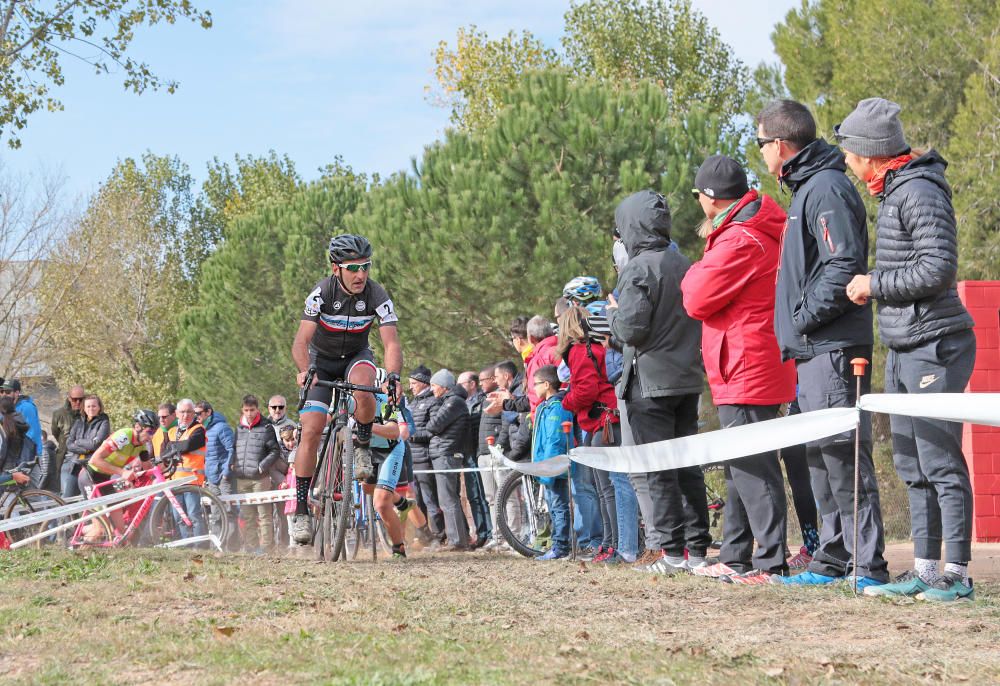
[[424, 485]]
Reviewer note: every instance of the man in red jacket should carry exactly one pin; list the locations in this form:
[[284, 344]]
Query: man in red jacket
[[731, 291]]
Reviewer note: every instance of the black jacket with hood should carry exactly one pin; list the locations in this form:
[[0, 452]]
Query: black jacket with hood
[[916, 257], [662, 344], [421, 408], [87, 435], [825, 245]]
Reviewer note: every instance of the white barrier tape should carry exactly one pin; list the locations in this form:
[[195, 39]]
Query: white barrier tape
[[183, 542], [552, 467], [458, 471], [972, 408], [722, 445], [99, 513], [76, 508]]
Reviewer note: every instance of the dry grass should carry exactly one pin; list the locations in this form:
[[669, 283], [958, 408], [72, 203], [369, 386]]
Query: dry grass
[[171, 617]]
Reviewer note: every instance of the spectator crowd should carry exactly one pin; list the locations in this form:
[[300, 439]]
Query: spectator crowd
[[773, 313]]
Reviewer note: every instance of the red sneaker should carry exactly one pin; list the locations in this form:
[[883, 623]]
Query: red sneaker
[[604, 554]]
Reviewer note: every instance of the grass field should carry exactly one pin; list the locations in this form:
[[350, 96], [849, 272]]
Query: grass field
[[143, 616]]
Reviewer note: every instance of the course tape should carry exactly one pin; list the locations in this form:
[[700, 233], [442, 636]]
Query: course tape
[[971, 408], [719, 446], [767, 436], [76, 508]]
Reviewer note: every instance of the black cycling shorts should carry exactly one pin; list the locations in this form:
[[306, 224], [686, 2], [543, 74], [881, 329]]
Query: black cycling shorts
[[318, 398]]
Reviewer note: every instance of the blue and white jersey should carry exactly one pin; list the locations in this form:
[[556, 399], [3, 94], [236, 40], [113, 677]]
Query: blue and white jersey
[[345, 320]]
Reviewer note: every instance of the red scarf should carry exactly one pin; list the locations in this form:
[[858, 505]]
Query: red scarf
[[876, 184], [250, 425]]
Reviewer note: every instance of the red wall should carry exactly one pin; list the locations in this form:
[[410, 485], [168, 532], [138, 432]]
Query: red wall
[[981, 444]]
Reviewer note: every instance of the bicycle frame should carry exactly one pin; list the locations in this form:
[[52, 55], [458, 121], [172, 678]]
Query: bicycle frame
[[155, 475]]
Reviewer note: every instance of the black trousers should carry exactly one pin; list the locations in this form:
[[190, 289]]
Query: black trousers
[[755, 503], [680, 504]]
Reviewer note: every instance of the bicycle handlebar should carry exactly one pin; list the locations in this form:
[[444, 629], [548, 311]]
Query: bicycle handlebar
[[311, 381]]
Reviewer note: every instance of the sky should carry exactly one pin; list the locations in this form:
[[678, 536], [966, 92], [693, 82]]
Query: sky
[[312, 79]]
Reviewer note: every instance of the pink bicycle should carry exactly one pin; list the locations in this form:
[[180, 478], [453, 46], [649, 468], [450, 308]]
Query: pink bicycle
[[177, 513]]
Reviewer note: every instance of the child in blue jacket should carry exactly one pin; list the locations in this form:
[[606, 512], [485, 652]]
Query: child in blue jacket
[[550, 441]]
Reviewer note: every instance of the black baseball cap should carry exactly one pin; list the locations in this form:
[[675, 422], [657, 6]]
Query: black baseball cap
[[721, 177]]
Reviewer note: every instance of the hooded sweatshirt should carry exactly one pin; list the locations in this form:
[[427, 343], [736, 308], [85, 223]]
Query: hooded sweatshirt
[[661, 342]]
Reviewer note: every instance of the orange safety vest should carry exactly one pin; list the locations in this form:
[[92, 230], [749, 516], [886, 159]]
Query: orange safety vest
[[192, 463], [159, 436]]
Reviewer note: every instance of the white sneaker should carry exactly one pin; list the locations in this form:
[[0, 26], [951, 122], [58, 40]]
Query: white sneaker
[[664, 566], [302, 531]]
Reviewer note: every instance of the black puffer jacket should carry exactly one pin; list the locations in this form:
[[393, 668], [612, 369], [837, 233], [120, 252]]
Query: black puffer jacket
[[489, 425], [447, 427], [475, 404], [825, 244], [15, 449], [255, 449], [916, 257], [86, 436], [421, 408]]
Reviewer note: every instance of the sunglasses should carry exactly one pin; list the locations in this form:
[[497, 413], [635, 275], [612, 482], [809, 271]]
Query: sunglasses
[[354, 268], [164, 416], [277, 407], [761, 142], [75, 400]]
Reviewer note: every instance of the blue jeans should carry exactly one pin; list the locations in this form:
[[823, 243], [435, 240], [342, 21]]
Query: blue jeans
[[627, 510], [191, 502], [558, 500], [69, 485], [587, 520]]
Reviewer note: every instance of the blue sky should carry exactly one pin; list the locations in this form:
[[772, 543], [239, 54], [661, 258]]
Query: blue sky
[[310, 78]]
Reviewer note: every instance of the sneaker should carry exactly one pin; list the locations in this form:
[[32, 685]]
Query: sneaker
[[648, 558], [302, 531], [553, 554], [587, 554], [363, 468], [399, 552], [492, 545], [948, 588], [604, 554], [754, 577], [663, 566], [804, 579], [693, 563], [863, 582], [715, 571], [906, 585], [800, 560]]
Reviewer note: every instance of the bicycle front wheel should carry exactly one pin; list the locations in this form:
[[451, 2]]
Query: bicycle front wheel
[[28, 502], [207, 517], [523, 516], [345, 506]]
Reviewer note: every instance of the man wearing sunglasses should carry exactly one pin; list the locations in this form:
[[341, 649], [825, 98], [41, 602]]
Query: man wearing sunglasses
[[825, 243], [333, 338], [62, 422]]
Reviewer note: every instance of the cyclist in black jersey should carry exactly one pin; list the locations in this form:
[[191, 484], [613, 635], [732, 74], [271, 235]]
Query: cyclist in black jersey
[[333, 338]]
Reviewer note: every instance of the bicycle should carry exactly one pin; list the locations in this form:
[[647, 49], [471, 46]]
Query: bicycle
[[524, 497], [20, 500], [165, 511], [332, 493]]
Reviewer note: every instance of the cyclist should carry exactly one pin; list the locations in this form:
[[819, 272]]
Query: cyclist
[[388, 454], [121, 455], [333, 338]]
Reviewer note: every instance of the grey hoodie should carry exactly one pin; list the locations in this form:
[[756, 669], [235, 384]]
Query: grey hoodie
[[662, 344]]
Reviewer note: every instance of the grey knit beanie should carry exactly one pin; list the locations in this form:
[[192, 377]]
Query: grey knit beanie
[[443, 378], [873, 129]]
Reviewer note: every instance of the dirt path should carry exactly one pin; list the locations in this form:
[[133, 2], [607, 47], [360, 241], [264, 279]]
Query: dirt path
[[171, 617]]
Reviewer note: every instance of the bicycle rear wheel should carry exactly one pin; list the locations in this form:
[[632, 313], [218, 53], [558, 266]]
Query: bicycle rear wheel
[[523, 516], [30, 501]]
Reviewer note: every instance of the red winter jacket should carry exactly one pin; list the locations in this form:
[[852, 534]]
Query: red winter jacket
[[588, 386], [731, 290]]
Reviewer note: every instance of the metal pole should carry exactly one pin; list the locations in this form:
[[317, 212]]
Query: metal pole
[[567, 428], [858, 364]]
